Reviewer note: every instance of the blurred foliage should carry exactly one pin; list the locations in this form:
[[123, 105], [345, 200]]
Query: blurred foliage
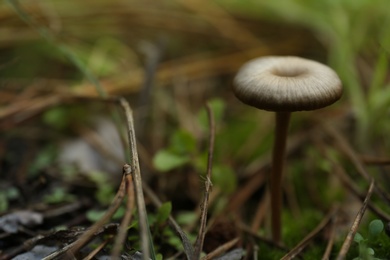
[[105, 191], [106, 43], [183, 150], [355, 34], [59, 195], [6, 195], [178, 153]]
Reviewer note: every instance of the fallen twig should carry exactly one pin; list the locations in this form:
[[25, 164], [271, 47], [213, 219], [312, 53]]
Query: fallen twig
[[94, 252], [219, 250], [78, 244], [122, 231], [348, 240]]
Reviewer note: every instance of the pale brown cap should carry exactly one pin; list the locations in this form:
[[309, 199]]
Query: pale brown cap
[[287, 84]]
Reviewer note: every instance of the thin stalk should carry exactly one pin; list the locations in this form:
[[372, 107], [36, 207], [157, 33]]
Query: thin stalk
[[203, 219], [134, 169], [352, 232], [282, 121]]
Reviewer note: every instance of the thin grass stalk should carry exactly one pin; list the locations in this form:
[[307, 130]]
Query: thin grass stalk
[[351, 234], [203, 219], [134, 169], [123, 228]]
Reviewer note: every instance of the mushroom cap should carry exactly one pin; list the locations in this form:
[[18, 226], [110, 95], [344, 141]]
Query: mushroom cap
[[287, 84]]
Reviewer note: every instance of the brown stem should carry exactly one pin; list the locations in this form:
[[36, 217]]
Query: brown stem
[[282, 121]]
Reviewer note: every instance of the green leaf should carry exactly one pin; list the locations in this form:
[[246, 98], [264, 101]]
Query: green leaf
[[376, 227], [175, 242], [56, 117], [58, 195], [163, 212], [119, 213], [224, 177], [12, 193], [8, 193], [152, 219], [105, 191], [186, 217], [134, 224], [94, 215], [45, 157], [182, 142], [358, 238], [3, 202], [165, 160], [200, 162]]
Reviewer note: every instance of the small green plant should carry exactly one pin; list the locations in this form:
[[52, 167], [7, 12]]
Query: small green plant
[[366, 252], [183, 150]]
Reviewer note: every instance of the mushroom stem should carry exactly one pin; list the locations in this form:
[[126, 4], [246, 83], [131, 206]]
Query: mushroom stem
[[282, 121]]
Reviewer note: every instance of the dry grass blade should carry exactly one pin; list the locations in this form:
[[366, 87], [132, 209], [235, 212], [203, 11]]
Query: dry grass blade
[[208, 184], [135, 171], [344, 147], [93, 254], [95, 227], [63, 251], [301, 245], [122, 232], [25, 109], [348, 240], [199, 66], [348, 182], [332, 234], [222, 21], [223, 248]]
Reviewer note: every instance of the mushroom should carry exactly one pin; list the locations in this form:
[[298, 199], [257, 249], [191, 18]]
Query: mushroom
[[284, 85]]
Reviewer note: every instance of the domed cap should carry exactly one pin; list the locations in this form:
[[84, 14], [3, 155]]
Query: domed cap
[[287, 84]]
